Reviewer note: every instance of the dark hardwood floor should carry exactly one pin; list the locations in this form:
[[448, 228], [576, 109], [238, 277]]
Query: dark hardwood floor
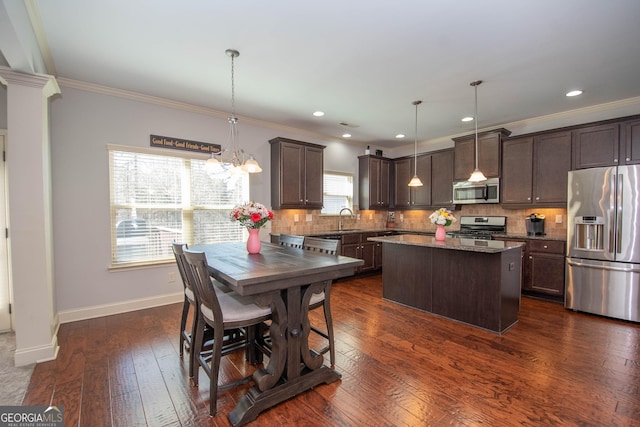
[[399, 366]]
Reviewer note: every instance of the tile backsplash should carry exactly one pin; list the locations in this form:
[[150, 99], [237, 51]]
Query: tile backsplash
[[294, 221]]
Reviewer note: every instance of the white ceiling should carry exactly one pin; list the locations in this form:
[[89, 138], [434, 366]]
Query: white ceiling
[[362, 62]]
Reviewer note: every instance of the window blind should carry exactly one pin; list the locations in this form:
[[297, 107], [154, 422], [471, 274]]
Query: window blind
[[338, 192], [157, 199]]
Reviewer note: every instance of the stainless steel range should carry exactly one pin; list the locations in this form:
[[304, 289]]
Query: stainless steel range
[[480, 227]]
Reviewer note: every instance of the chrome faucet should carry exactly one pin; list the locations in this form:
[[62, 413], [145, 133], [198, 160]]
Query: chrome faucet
[[340, 219]]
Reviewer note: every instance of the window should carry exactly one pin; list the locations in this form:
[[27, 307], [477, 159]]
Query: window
[[157, 199], [338, 192]]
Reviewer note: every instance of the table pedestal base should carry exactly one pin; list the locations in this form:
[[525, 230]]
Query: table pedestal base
[[255, 401]]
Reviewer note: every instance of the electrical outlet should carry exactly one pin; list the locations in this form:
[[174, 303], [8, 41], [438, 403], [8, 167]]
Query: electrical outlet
[[309, 217], [171, 277], [401, 217], [296, 218], [358, 217], [558, 219], [370, 216]]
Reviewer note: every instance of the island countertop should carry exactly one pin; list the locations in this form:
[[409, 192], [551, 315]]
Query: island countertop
[[486, 246]]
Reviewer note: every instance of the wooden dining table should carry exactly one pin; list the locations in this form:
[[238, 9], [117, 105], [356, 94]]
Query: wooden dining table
[[284, 279]]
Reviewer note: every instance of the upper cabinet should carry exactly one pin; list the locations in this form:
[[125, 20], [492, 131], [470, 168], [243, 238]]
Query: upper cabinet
[[297, 170], [374, 175], [631, 139], [607, 144], [442, 178], [435, 170], [406, 197], [596, 146], [488, 154], [534, 170]]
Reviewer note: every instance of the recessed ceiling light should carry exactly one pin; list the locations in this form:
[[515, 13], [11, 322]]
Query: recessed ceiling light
[[574, 93], [400, 136], [346, 135], [467, 119], [318, 113]]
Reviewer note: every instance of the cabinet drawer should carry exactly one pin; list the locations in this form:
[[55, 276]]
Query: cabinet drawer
[[547, 246], [350, 238]]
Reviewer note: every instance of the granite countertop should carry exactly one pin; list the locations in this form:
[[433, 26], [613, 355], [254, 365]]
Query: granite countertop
[[421, 232], [526, 236], [486, 246]]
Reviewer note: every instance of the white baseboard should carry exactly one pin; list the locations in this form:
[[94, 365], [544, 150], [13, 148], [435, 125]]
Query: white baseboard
[[67, 316], [43, 353]]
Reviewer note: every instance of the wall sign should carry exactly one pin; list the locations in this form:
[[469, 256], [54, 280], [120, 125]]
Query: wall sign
[[183, 144]]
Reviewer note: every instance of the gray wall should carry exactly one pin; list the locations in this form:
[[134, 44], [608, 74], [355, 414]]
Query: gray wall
[[82, 124]]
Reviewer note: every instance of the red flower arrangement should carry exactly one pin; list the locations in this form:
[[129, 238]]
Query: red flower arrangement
[[251, 215]]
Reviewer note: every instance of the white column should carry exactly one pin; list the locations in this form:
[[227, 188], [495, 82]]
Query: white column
[[30, 214]]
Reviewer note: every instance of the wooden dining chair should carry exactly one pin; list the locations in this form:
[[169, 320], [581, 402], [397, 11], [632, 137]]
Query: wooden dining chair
[[330, 247], [222, 312], [189, 303], [291, 241]]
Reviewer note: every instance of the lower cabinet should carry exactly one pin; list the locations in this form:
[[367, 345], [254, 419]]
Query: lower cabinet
[[543, 265], [357, 245]]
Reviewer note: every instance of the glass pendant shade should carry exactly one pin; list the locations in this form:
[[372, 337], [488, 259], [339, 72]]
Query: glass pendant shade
[[477, 176], [415, 182]]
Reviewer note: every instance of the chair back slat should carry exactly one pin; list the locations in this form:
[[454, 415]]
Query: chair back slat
[[204, 291], [325, 246], [291, 241], [178, 253]]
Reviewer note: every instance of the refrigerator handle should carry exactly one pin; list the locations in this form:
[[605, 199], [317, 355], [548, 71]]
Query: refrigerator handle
[[619, 216], [613, 216]]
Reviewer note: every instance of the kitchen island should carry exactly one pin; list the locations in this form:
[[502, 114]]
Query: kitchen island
[[471, 281]]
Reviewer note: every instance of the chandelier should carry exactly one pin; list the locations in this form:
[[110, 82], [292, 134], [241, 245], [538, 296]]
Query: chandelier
[[233, 158]]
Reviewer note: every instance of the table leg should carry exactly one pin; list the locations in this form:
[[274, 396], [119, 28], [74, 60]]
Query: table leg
[[272, 386]]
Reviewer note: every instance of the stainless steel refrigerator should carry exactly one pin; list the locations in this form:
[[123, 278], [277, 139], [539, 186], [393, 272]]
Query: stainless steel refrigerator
[[603, 242]]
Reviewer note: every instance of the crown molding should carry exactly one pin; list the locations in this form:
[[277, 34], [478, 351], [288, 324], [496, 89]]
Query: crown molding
[[177, 105]]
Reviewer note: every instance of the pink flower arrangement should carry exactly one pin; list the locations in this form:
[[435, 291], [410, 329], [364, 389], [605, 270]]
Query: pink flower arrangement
[[251, 215]]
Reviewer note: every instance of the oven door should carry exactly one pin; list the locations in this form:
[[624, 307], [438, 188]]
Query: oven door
[[465, 192]]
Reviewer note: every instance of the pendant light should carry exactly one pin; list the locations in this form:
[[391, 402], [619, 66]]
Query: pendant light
[[235, 161], [415, 181], [476, 175]]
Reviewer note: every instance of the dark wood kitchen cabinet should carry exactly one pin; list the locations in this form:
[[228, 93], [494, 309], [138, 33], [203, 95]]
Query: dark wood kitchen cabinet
[[442, 178], [374, 174], [596, 146], [356, 245], [489, 144], [406, 197], [630, 136], [545, 266], [534, 170], [543, 263], [608, 143], [297, 170]]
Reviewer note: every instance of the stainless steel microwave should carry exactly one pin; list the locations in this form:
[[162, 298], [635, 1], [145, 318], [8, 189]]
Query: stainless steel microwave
[[465, 192]]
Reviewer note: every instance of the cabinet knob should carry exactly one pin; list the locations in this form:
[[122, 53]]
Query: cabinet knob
[[537, 198], [615, 160], [628, 159], [530, 257], [529, 199], [546, 247]]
